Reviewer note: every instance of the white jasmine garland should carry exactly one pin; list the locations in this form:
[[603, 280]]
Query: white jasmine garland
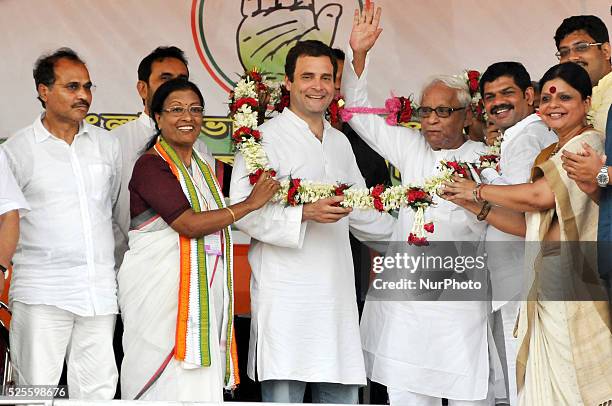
[[254, 155], [245, 88], [357, 198], [392, 198]]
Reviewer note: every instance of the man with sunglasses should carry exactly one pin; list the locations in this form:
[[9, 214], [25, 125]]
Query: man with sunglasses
[[422, 350], [63, 291]]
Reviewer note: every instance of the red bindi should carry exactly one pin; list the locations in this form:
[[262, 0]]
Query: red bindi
[[552, 90]]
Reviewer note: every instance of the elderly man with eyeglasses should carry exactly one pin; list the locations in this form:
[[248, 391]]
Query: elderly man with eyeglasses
[[422, 351], [63, 291]]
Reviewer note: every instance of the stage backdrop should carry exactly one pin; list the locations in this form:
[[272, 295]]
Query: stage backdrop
[[222, 37]]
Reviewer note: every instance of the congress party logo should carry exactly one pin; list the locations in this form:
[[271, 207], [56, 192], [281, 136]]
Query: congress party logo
[[231, 36]]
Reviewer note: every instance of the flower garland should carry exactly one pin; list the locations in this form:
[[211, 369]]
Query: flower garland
[[399, 110], [491, 158], [252, 95], [472, 79]]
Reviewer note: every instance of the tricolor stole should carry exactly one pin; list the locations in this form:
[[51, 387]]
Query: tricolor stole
[[191, 305]]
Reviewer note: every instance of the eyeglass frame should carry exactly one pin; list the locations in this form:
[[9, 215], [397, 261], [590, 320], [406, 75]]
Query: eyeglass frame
[[575, 48], [183, 110], [74, 87], [436, 110]]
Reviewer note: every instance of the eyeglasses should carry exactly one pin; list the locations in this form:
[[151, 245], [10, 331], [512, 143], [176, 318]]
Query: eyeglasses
[[74, 87], [579, 48], [441, 111], [178, 111]]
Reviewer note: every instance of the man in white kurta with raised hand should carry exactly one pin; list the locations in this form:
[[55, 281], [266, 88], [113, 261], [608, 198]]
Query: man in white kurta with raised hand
[[422, 351], [304, 320]]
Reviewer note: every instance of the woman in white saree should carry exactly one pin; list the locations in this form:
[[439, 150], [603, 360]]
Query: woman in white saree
[[175, 283], [565, 353]]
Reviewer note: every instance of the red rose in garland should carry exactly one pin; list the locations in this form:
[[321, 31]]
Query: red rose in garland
[[339, 191], [255, 76], [419, 242], [458, 168], [333, 111], [293, 191], [405, 113], [416, 195], [376, 192], [283, 100], [254, 177], [241, 102], [244, 133], [473, 77]]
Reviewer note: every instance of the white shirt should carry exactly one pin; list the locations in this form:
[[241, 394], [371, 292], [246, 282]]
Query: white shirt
[[133, 138], [11, 197], [520, 146], [304, 320], [65, 253], [600, 103], [438, 348]]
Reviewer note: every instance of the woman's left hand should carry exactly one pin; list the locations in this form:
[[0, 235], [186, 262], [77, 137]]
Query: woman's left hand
[[460, 189]]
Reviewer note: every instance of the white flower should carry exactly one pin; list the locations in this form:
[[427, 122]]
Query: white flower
[[394, 197], [254, 155], [245, 88], [357, 198], [245, 117]]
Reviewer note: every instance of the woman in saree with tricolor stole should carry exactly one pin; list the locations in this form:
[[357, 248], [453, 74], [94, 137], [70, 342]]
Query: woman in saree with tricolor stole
[[175, 283], [565, 340]]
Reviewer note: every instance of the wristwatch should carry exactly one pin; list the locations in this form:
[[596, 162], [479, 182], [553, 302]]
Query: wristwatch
[[602, 177]]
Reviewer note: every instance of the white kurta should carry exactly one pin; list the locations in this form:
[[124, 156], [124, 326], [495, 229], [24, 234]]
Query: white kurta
[[11, 197], [304, 322], [432, 348]]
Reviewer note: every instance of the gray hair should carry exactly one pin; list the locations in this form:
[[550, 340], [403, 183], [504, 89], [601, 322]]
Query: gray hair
[[453, 82]]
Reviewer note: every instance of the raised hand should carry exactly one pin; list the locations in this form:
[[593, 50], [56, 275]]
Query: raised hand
[[365, 29], [270, 28]]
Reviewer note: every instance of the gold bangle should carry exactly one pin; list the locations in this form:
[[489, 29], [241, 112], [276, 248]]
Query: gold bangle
[[232, 213]]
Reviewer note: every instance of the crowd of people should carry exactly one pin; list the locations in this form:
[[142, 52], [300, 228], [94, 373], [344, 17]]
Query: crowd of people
[[135, 223]]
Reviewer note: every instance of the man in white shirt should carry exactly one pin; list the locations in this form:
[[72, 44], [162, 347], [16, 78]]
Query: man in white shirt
[[161, 65], [422, 351], [63, 290], [304, 319], [508, 98], [12, 204]]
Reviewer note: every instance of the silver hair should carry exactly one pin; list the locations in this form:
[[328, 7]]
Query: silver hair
[[453, 82]]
